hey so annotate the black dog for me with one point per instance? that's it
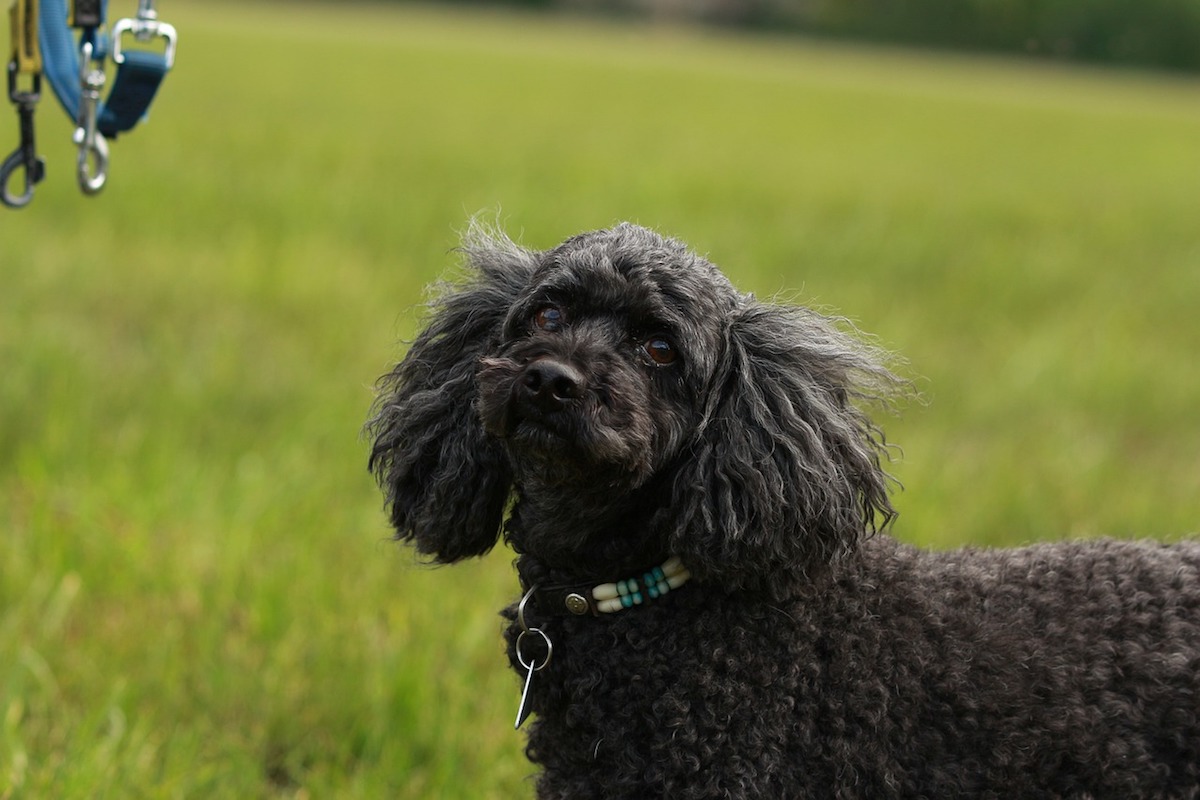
(694, 487)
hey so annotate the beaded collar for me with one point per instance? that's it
(607, 598)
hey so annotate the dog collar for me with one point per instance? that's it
(608, 598)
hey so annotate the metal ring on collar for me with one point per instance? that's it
(529, 665)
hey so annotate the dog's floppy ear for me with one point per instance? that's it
(445, 481)
(785, 475)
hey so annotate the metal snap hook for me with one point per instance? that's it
(92, 165)
(11, 165)
(25, 156)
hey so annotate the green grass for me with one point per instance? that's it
(197, 595)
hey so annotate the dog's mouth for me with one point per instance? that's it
(546, 432)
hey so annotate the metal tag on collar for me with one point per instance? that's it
(532, 664)
(144, 27)
(578, 604)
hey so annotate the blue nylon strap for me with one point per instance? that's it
(60, 55)
(137, 80)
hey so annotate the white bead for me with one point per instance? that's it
(605, 591)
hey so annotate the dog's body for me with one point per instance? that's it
(637, 407)
(1067, 670)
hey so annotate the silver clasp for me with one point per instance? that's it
(92, 165)
(144, 27)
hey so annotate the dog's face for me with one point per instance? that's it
(619, 365)
(604, 362)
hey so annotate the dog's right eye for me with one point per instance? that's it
(549, 318)
(660, 351)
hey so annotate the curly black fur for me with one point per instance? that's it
(624, 403)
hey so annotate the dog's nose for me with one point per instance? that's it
(550, 384)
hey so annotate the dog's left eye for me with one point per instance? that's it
(660, 350)
(549, 318)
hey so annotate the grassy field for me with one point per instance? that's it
(197, 594)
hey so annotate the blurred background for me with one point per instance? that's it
(1158, 33)
(198, 595)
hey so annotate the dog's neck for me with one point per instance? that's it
(589, 535)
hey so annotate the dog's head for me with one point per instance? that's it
(630, 396)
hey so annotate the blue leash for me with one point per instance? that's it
(139, 72)
(60, 53)
(75, 72)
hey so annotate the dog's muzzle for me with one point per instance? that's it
(559, 416)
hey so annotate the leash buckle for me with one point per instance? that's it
(144, 27)
(25, 156)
